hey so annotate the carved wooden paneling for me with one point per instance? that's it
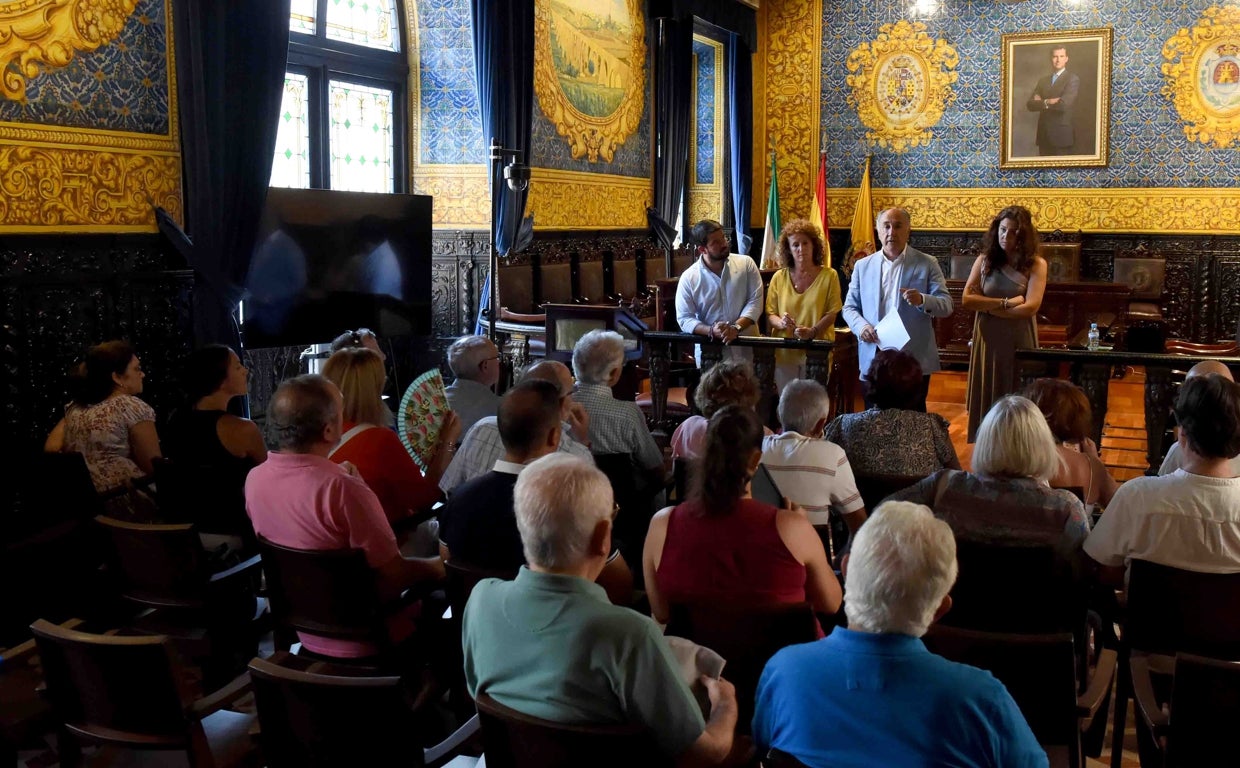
(1227, 312)
(1183, 295)
(61, 294)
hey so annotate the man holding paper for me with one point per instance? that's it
(892, 298)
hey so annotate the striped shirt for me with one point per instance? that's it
(812, 472)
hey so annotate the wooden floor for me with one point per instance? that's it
(1123, 436)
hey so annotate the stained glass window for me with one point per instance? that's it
(372, 23)
(291, 166)
(361, 137)
(302, 19)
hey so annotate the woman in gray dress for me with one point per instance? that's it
(1005, 290)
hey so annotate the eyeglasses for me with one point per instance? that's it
(484, 361)
(615, 510)
(355, 337)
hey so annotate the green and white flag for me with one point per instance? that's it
(770, 238)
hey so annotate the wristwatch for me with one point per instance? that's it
(737, 326)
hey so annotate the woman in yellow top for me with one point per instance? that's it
(803, 298)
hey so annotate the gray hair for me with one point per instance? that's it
(803, 403)
(466, 355)
(596, 354)
(559, 500)
(301, 408)
(908, 220)
(903, 564)
(1014, 440)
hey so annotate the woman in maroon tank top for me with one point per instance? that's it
(722, 545)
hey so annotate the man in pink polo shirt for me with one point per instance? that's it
(299, 498)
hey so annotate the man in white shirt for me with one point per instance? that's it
(903, 280)
(1174, 459)
(1189, 519)
(720, 295)
(809, 469)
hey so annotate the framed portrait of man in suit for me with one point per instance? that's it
(1056, 99)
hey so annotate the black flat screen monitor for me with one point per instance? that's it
(326, 262)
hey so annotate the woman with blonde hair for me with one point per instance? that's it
(370, 445)
(803, 297)
(1007, 498)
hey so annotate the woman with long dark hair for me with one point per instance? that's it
(203, 433)
(1005, 289)
(724, 546)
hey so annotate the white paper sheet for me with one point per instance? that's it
(891, 332)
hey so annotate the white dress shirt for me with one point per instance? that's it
(707, 298)
(892, 271)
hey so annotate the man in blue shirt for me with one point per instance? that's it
(872, 694)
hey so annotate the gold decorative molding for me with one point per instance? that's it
(590, 135)
(705, 203)
(790, 96)
(901, 84)
(577, 200)
(460, 192)
(1153, 211)
(1203, 77)
(80, 179)
(49, 33)
(85, 190)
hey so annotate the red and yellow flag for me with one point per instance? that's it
(818, 206)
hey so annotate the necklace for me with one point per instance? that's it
(801, 282)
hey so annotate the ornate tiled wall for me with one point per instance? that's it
(90, 142)
(704, 99)
(449, 130)
(1151, 161)
(707, 149)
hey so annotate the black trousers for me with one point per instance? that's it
(919, 400)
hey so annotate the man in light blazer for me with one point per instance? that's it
(897, 279)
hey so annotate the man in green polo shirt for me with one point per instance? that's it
(550, 644)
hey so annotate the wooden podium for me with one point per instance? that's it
(566, 323)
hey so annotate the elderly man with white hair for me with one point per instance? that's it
(483, 446)
(550, 645)
(873, 694)
(616, 426)
(474, 361)
(809, 469)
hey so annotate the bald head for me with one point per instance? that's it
(1208, 368)
(304, 415)
(554, 372)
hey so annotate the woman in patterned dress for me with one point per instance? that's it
(107, 423)
(1005, 289)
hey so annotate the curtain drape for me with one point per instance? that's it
(231, 56)
(740, 135)
(504, 71)
(673, 114)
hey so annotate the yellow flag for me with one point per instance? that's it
(864, 241)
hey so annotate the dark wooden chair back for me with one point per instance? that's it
(745, 636)
(776, 758)
(330, 718)
(324, 592)
(1021, 589)
(1038, 670)
(636, 502)
(119, 690)
(210, 497)
(1205, 706)
(158, 565)
(462, 578)
(1172, 610)
(511, 739)
(49, 544)
(876, 487)
(682, 469)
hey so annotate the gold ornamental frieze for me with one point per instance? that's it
(1166, 210)
(1202, 69)
(901, 83)
(49, 33)
(590, 72)
(578, 200)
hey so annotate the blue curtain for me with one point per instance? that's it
(740, 134)
(504, 72)
(231, 56)
(673, 115)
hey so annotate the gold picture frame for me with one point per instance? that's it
(593, 96)
(1055, 112)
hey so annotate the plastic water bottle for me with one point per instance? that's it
(1093, 337)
